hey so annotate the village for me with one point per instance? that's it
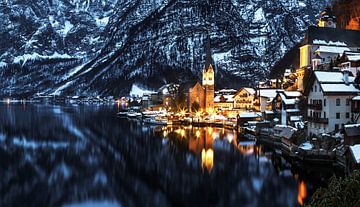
(311, 113)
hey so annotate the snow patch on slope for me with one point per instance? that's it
(37, 56)
(259, 15)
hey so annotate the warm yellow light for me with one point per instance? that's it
(182, 113)
(198, 114)
(182, 132)
(164, 133)
(197, 133)
(211, 110)
(301, 193)
(207, 159)
(210, 130)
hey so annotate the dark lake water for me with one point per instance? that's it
(85, 155)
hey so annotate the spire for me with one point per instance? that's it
(208, 53)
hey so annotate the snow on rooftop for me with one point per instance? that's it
(268, 93)
(295, 118)
(323, 42)
(306, 146)
(292, 93)
(339, 88)
(137, 91)
(332, 49)
(353, 57)
(355, 150)
(352, 125)
(250, 90)
(356, 98)
(229, 98)
(249, 115)
(331, 77)
(227, 91)
(287, 101)
(292, 110)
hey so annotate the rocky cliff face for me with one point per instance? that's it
(103, 47)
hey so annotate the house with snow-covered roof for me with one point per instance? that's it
(329, 101)
(244, 99)
(286, 107)
(264, 99)
(224, 102)
(323, 44)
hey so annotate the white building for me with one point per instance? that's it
(329, 101)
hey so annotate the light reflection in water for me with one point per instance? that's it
(201, 141)
(302, 193)
(207, 159)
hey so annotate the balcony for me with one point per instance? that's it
(318, 120)
(317, 106)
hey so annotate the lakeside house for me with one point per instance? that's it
(286, 106)
(224, 100)
(329, 101)
(244, 99)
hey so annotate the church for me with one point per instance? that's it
(202, 95)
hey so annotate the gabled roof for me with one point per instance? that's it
(331, 77)
(248, 90)
(224, 99)
(268, 93)
(333, 82)
(355, 151)
(348, 38)
(197, 85)
(339, 87)
(292, 94)
(352, 130)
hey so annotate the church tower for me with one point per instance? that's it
(327, 19)
(209, 80)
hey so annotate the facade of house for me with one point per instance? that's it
(264, 99)
(224, 102)
(329, 101)
(244, 99)
(286, 106)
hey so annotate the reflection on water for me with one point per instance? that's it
(302, 192)
(57, 155)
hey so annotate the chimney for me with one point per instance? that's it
(346, 76)
(346, 70)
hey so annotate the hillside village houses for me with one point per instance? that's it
(322, 92)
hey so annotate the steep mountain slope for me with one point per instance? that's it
(148, 42)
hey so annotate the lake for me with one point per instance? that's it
(72, 155)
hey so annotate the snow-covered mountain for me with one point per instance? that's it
(105, 46)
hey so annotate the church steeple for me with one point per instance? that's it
(208, 62)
